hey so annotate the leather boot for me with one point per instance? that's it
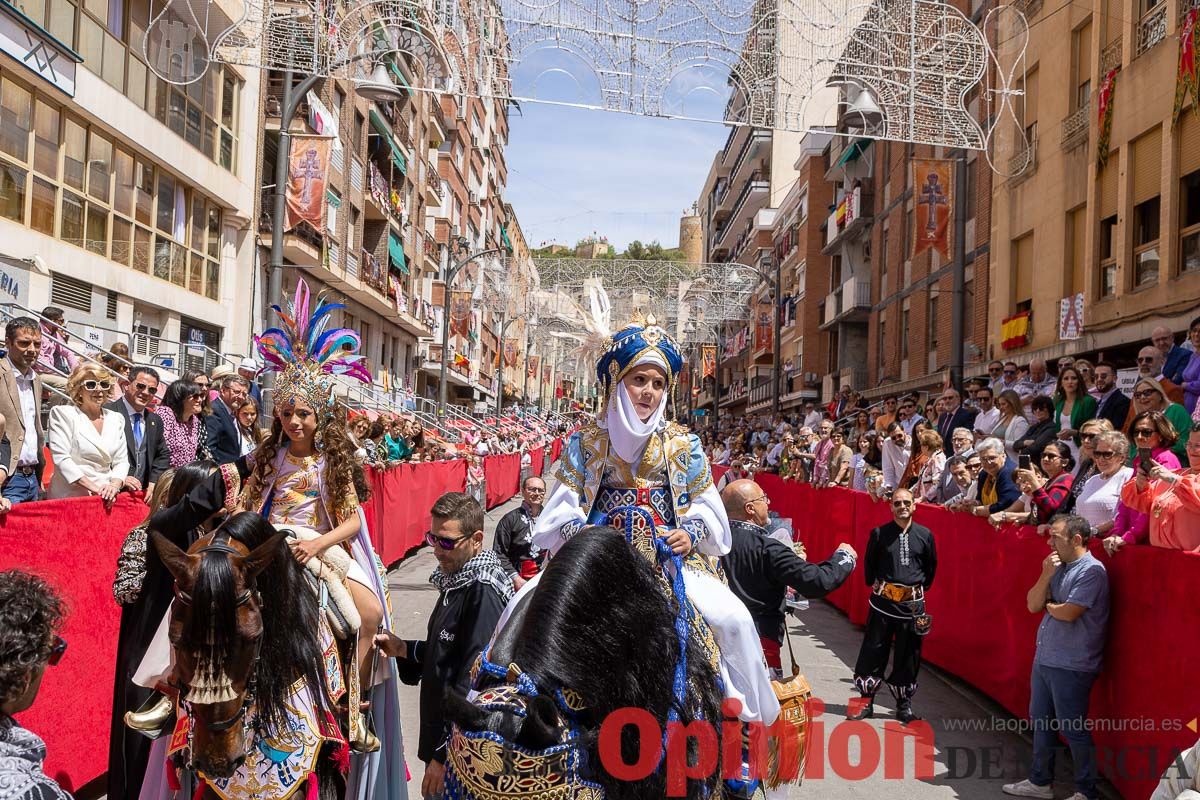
(905, 713)
(865, 711)
(152, 716)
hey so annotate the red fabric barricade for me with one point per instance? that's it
(983, 633)
(401, 496)
(502, 475)
(555, 450)
(73, 545)
(537, 461)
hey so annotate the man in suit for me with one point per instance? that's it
(953, 415)
(248, 369)
(149, 456)
(1111, 403)
(224, 438)
(21, 408)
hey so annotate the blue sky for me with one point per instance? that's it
(574, 171)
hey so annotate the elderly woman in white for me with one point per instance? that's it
(86, 440)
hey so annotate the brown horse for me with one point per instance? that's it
(243, 627)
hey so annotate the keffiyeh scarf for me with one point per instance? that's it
(484, 568)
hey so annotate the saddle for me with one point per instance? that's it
(328, 575)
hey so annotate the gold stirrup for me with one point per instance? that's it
(153, 718)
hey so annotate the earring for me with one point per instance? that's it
(319, 441)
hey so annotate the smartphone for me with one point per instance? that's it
(1023, 461)
(1145, 459)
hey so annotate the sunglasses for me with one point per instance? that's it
(1145, 394)
(1087, 436)
(535, 491)
(443, 542)
(1010, 372)
(93, 385)
(1140, 432)
(140, 387)
(196, 396)
(901, 503)
(1103, 453)
(57, 650)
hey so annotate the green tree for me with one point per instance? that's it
(636, 250)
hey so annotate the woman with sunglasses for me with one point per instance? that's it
(1151, 431)
(30, 616)
(183, 423)
(1085, 467)
(1149, 395)
(1172, 499)
(1097, 502)
(86, 440)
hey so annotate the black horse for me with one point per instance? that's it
(243, 603)
(598, 635)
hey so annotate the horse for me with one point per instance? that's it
(244, 629)
(598, 635)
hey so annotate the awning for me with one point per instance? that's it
(381, 126)
(396, 253)
(400, 77)
(853, 151)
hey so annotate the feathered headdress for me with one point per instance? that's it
(306, 356)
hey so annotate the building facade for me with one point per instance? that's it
(1122, 236)
(125, 200)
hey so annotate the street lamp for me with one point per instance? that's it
(463, 247)
(378, 88)
(773, 281)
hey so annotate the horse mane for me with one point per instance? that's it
(290, 647)
(210, 630)
(601, 624)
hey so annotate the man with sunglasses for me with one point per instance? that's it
(30, 616)
(513, 543)
(473, 591)
(899, 566)
(1111, 403)
(148, 453)
(760, 568)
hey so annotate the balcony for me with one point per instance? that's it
(1023, 164)
(851, 215)
(433, 183)
(849, 303)
(757, 186)
(763, 395)
(1151, 28)
(1110, 57)
(302, 245)
(1075, 127)
(750, 148)
(732, 395)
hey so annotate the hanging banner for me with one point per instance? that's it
(546, 377)
(933, 198)
(763, 326)
(510, 352)
(1187, 78)
(708, 361)
(533, 366)
(460, 314)
(1104, 110)
(1070, 317)
(308, 168)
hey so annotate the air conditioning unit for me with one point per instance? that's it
(473, 197)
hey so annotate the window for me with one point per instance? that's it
(1029, 108)
(881, 348)
(12, 192)
(1108, 256)
(972, 189)
(1145, 242)
(1022, 269)
(74, 154)
(46, 138)
(16, 118)
(1081, 65)
(1189, 223)
(1076, 231)
(933, 323)
(883, 258)
(904, 314)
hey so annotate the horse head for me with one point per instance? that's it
(216, 631)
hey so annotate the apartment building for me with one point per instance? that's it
(799, 240)
(1125, 234)
(125, 200)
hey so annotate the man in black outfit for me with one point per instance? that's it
(898, 566)
(514, 546)
(1111, 403)
(224, 438)
(474, 588)
(760, 569)
(148, 453)
(954, 415)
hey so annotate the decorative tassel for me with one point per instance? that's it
(312, 792)
(341, 757)
(172, 776)
(200, 790)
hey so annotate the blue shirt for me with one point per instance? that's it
(1077, 645)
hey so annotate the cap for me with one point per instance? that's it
(248, 363)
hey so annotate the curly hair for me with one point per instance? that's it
(30, 615)
(342, 470)
(86, 371)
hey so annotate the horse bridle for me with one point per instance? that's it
(223, 546)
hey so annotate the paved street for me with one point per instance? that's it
(826, 646)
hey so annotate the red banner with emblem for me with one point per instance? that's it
(708, 361)
(763, 326)
(308, 171)
(460, 314)
(933, 197)
(1187, 78)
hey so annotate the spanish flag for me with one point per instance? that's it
(1014, 331)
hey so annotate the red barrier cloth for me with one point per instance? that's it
(401, 496)
(717, 472)
(502, 475)
(73, 545)
(983, 633)
(555, 450)
(537, 461)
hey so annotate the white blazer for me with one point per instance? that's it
(79, 451)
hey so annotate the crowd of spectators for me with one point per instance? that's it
(111, 425)
(1017, 446)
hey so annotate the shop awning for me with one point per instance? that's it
(396, 253)
(400, 77)
(381, 127)
(853, 151)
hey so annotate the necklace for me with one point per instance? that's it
(1160, 504)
